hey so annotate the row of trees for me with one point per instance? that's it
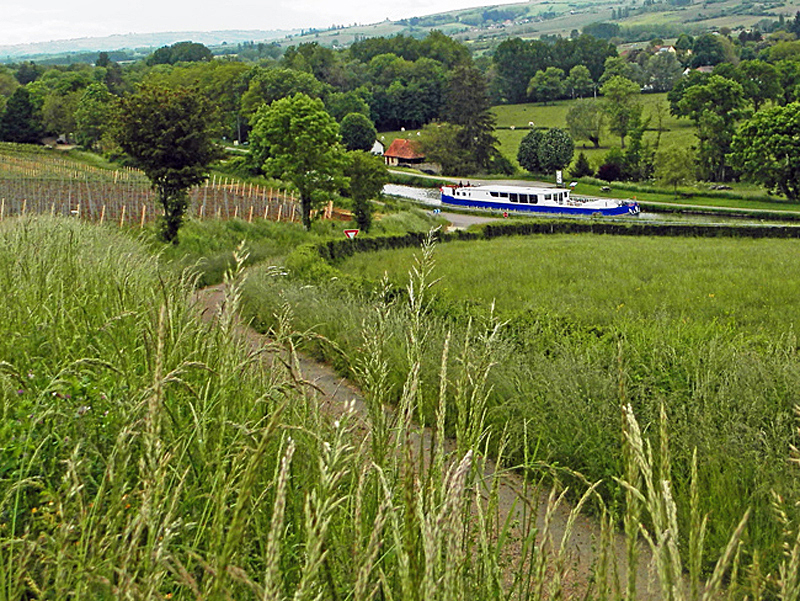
(169, 133)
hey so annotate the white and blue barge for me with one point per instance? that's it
(535, 200)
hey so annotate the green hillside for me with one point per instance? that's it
(484, 27)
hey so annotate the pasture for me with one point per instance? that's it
(674, 131)
(513, 122)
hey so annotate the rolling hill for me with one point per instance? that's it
(480, 28)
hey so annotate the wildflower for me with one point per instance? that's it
(84, 409)
(20, 391)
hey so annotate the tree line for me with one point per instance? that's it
(435, 84)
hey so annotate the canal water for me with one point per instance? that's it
(430, 197)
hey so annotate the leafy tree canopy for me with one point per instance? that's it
(19, 122)
(767, 149)
(585, 119)
(367, 174)
(528, 151)
(358, 132)
(169, 135)
(268, 85)
(301, 143)
(555, 150)
(180, 52)
(622, 105)
(547, 85)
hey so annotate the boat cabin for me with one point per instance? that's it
(519, 196)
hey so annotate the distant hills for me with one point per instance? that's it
(481, 28)
(134, 41)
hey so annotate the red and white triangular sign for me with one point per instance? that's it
(351, 233)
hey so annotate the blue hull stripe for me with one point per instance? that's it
(529, 208)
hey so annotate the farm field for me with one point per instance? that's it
(38, 181)
(704, 328)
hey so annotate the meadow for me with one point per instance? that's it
(674, 131)
(702, 330)
(147, 453)
(151, 454)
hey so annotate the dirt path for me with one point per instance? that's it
(333, 392)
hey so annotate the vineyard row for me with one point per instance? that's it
(128, 201)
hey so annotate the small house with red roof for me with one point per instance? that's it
(403, 152)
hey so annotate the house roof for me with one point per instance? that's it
(404, 149)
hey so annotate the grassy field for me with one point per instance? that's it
(146, 454)
(753, 285)
(701, 328)
(674, 132)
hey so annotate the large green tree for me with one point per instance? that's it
(714, 106)
(19, 122)
(547, 86)
(300, 142)
(358, 132)
(467, 105)
(516, 62)
(169, 134)
(622, 105)
(555, 150)
(579, 82)
(767, 149)
(94, 115)
(528, 151)
(760, 82)
(268, 85)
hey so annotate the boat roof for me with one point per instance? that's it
(515, 189)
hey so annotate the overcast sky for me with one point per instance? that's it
(44, 20)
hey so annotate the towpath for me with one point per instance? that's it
(333, 393)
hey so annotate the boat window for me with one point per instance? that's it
(494, 194)
(548, 197)
(534, 199)
(513, 197)
(566, 195)
(523, 198)
(560, 197)
(503, 194)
